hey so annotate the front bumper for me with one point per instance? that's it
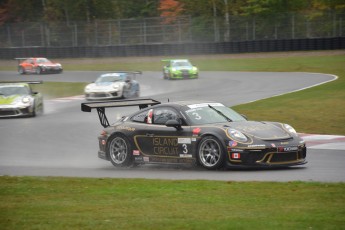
(11, 111)
(184, 74)
(267, 157)
(102, 95)
(51, 69)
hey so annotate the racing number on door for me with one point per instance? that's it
(185, 147)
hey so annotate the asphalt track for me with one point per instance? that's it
(63, 141)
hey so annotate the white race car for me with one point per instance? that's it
(113, 86)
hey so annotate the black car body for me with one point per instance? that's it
(206, 133)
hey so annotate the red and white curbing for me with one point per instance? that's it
(316, 141)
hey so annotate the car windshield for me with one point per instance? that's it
(110, 78)
(13, 90)
(180, 63)
(208, 113)
(42, 60)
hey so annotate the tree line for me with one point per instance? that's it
(13, 11)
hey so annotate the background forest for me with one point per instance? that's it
(90, 10)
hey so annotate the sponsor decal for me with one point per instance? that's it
(104, 142)
(126, 128)
(232, 143)
(236, 150)
(165, 146)
(235, 155)
(136, 152)
(146, 159)
(256, 146)
(193, 139)
(287, 149)
(273, 145)
(138, 159)
(184, 140)
(186, 155)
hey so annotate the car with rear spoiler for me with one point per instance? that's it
(38, 65)
(205, 133)
(17, 99)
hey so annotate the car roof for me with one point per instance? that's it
(186, 103)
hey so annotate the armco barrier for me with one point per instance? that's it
(176, 49)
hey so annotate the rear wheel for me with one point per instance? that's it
(119, 150)
(211, 153)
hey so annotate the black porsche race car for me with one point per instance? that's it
(202, 132)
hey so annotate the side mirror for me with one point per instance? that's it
(174, 123)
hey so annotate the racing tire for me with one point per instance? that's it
(119, 151)
(21, 70)
(38, 70)
(211, 154)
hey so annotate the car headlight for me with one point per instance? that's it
(237, 135)
(289, 129)
(26, 100)
(194, 69)
(173, 69)
(116, 87)
(87, 88)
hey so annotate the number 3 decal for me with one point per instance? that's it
(185, 149)
(197, 116)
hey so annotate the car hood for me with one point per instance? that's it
(261, 130)
(183, 67)
(49, 64)
(8, 100)
(104, 84)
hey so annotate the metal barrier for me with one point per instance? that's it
(176, 49)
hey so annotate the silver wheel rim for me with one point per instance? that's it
(209, 153)
(118, 150)
(38, 70)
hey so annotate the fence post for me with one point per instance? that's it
(9, 35)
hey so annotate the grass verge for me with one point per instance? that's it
(74, 203)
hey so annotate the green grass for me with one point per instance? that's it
(75, 203)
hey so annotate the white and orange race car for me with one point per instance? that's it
(38, 65)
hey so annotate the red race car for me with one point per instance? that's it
(38, 65)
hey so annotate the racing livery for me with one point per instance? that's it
(179, 69)
(115, 85)
(203, 132)
(17, 99)
(38, 65)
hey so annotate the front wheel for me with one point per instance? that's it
(211, 153)
(21, 70)
(38, 70)
(119, 150)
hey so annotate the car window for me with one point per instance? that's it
(200, 114)
(162, 115)
(140, 117)
(13, 90)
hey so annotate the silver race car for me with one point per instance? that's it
(114, 85)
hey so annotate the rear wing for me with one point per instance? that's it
(21, 59)
(100, 106)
